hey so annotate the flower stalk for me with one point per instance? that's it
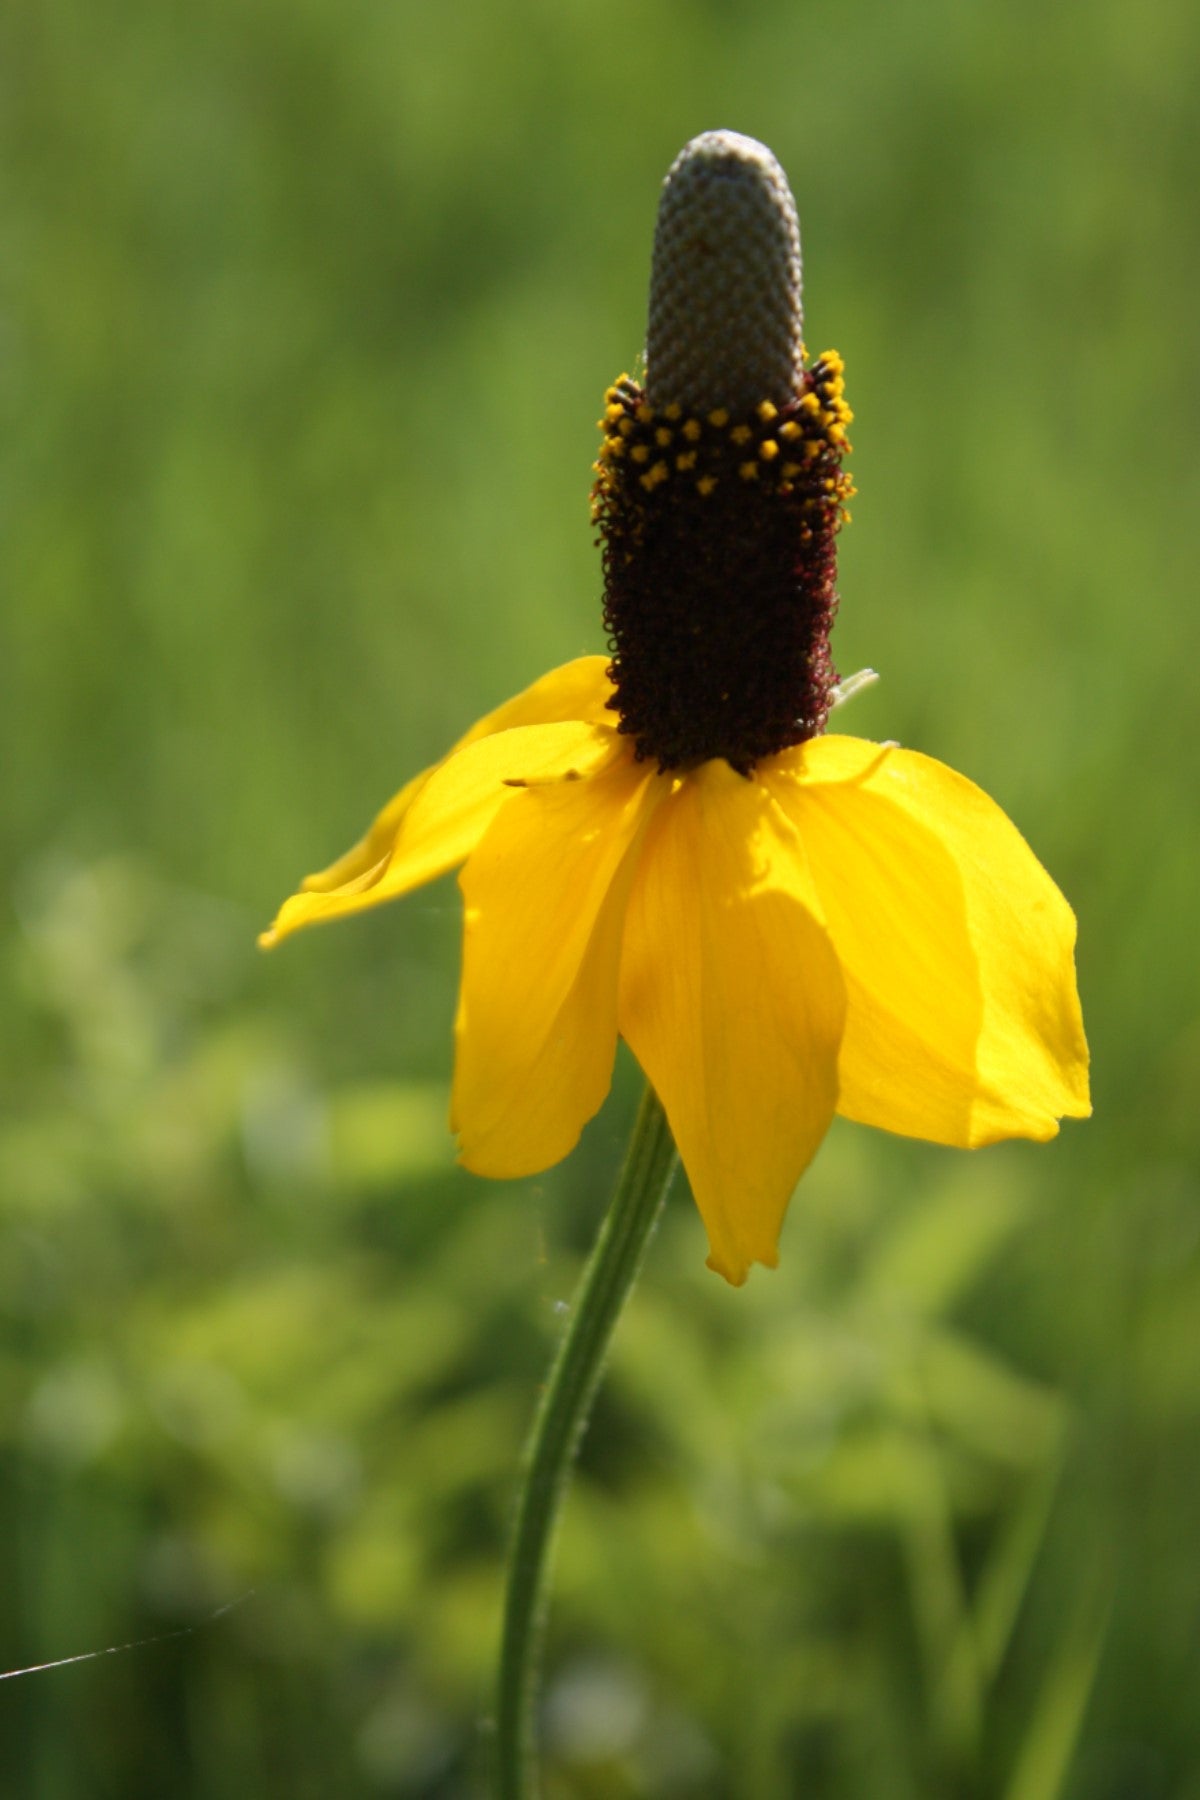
(609, 1278)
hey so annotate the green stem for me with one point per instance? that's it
(607, 1282)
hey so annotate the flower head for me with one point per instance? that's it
(665, 846)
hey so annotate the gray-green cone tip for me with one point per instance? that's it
(725, 322)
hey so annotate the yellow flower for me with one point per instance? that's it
(782, 925)
(852, 928)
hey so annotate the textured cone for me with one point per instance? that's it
(725, 314)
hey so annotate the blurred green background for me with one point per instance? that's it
(306, 314)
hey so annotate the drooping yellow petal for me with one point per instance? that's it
(576, 690)
(545, 897)
(963, 1024)
(452, 811)
(732, 1001)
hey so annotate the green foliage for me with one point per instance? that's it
(307, 312)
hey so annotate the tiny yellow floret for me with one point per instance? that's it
(768, 449)
(644, 414)
(706, 484)
(686, 460)
(653, 477)
(692, 430)
(640, 453)
(790, 430)
(673, 412)
(767, 410)
(662, 437)
(718, 417)
(748, 471)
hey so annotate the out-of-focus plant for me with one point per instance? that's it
(237, 1360)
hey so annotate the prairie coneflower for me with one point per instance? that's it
(664, 845)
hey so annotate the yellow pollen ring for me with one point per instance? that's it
(798, 454)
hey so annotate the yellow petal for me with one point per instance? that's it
(963, 1023)
(452, 811)
(732, 1001)
(545, 900)
(576, 690)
